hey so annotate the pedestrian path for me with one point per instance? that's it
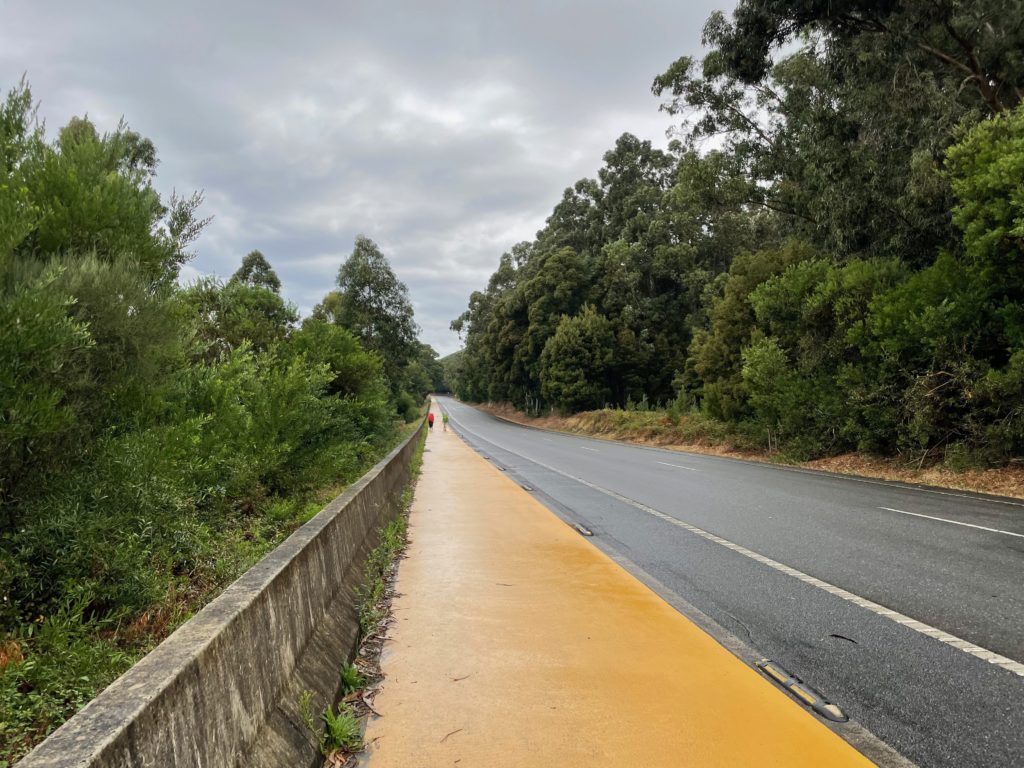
(516, 642)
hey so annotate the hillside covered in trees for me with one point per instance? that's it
(156, 440)
(828, 257)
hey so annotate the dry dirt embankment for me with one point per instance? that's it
(700, 436)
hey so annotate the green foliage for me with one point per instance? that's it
(35, 413)
(351, 679)
(373, 304)
(842, 271)
(155, 441)
(340, 729)
(371, 607)
(61, 662)
(343, 730)
(576, 362)
(257, 272)
(986, 170)
(232, 314)
(356, 371)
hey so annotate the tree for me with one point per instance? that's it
(374, 304)
(975, 43)
(93, 195)
(576, 362)
(257, 272)
(845, 137)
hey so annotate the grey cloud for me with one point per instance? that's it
(445, 131)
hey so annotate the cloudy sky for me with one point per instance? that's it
(444, 131)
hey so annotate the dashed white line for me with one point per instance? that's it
(678, 466)
(953, 641)
(592, 450)
(955, 522)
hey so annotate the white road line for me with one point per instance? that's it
(678, 466)
(918, 626)
(955, 522)
(592, 450)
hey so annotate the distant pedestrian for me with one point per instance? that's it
(430, 420)
(444, 420)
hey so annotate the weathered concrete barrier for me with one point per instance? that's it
(224, 689)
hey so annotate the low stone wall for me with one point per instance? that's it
(224, 689)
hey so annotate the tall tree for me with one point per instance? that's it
(374, 304)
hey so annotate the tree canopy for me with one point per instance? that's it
(374, 305)
(827, 257)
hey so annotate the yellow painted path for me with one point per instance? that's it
(516, 642)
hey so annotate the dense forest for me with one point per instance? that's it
(156, 440)
(828, 256)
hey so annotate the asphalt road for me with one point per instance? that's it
(904, 605)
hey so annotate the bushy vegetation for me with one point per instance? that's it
(839, 269)
(155, 440)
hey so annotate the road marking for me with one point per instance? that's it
(592, 450)
(918, 626)
(678, 466)
(954, 522)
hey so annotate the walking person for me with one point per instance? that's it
(430, 420)
(444, 420)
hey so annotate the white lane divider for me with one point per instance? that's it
(955, 522)
(918, 626)
(678, 466)
(592, 450)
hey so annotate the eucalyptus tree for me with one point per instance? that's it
(374, 305)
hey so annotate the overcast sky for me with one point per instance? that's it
(445, 132)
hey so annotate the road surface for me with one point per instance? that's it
(903, 605)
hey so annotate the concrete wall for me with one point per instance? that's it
(223, 690)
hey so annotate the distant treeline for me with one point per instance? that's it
(828, 257)
(155, 440)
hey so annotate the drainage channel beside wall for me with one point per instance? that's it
(224, 689)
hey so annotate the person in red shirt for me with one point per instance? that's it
(430, 420)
